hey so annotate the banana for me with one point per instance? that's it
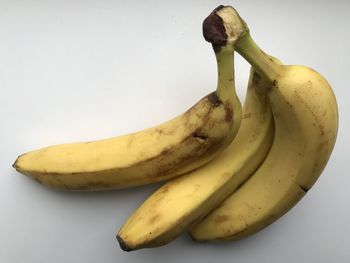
(306, 120)
(186, 199)
(159, 153)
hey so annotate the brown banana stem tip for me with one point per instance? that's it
(214, 30)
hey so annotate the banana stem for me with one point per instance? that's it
(225, 28)
(261, 62)
(226, 75)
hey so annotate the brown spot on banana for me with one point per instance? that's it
(221, 218)
(163, 132)
(200, 136)
(154, 219)
(214, 99)
(229, 112)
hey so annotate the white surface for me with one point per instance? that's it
(83, 70)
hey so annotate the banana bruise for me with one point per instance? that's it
(185, 200)
(159, 153)
(306, 120)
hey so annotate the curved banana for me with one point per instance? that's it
(306, 120)
(159, 153)
(184, 200)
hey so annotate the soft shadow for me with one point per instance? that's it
(184, 248)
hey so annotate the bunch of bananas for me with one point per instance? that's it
(240, 169)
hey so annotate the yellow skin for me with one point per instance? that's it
(184, 200)
(306, 119)
(159, 153)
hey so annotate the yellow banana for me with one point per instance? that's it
(306, 119)
(159, 153)
(184, 200)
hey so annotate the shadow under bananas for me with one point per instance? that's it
(183, 249)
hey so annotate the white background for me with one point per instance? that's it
(85, 70)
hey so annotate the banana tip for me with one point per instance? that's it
(15, 164)
(123, 245)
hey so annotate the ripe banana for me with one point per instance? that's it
(306, 120)
(186, 199)
(159, 153)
